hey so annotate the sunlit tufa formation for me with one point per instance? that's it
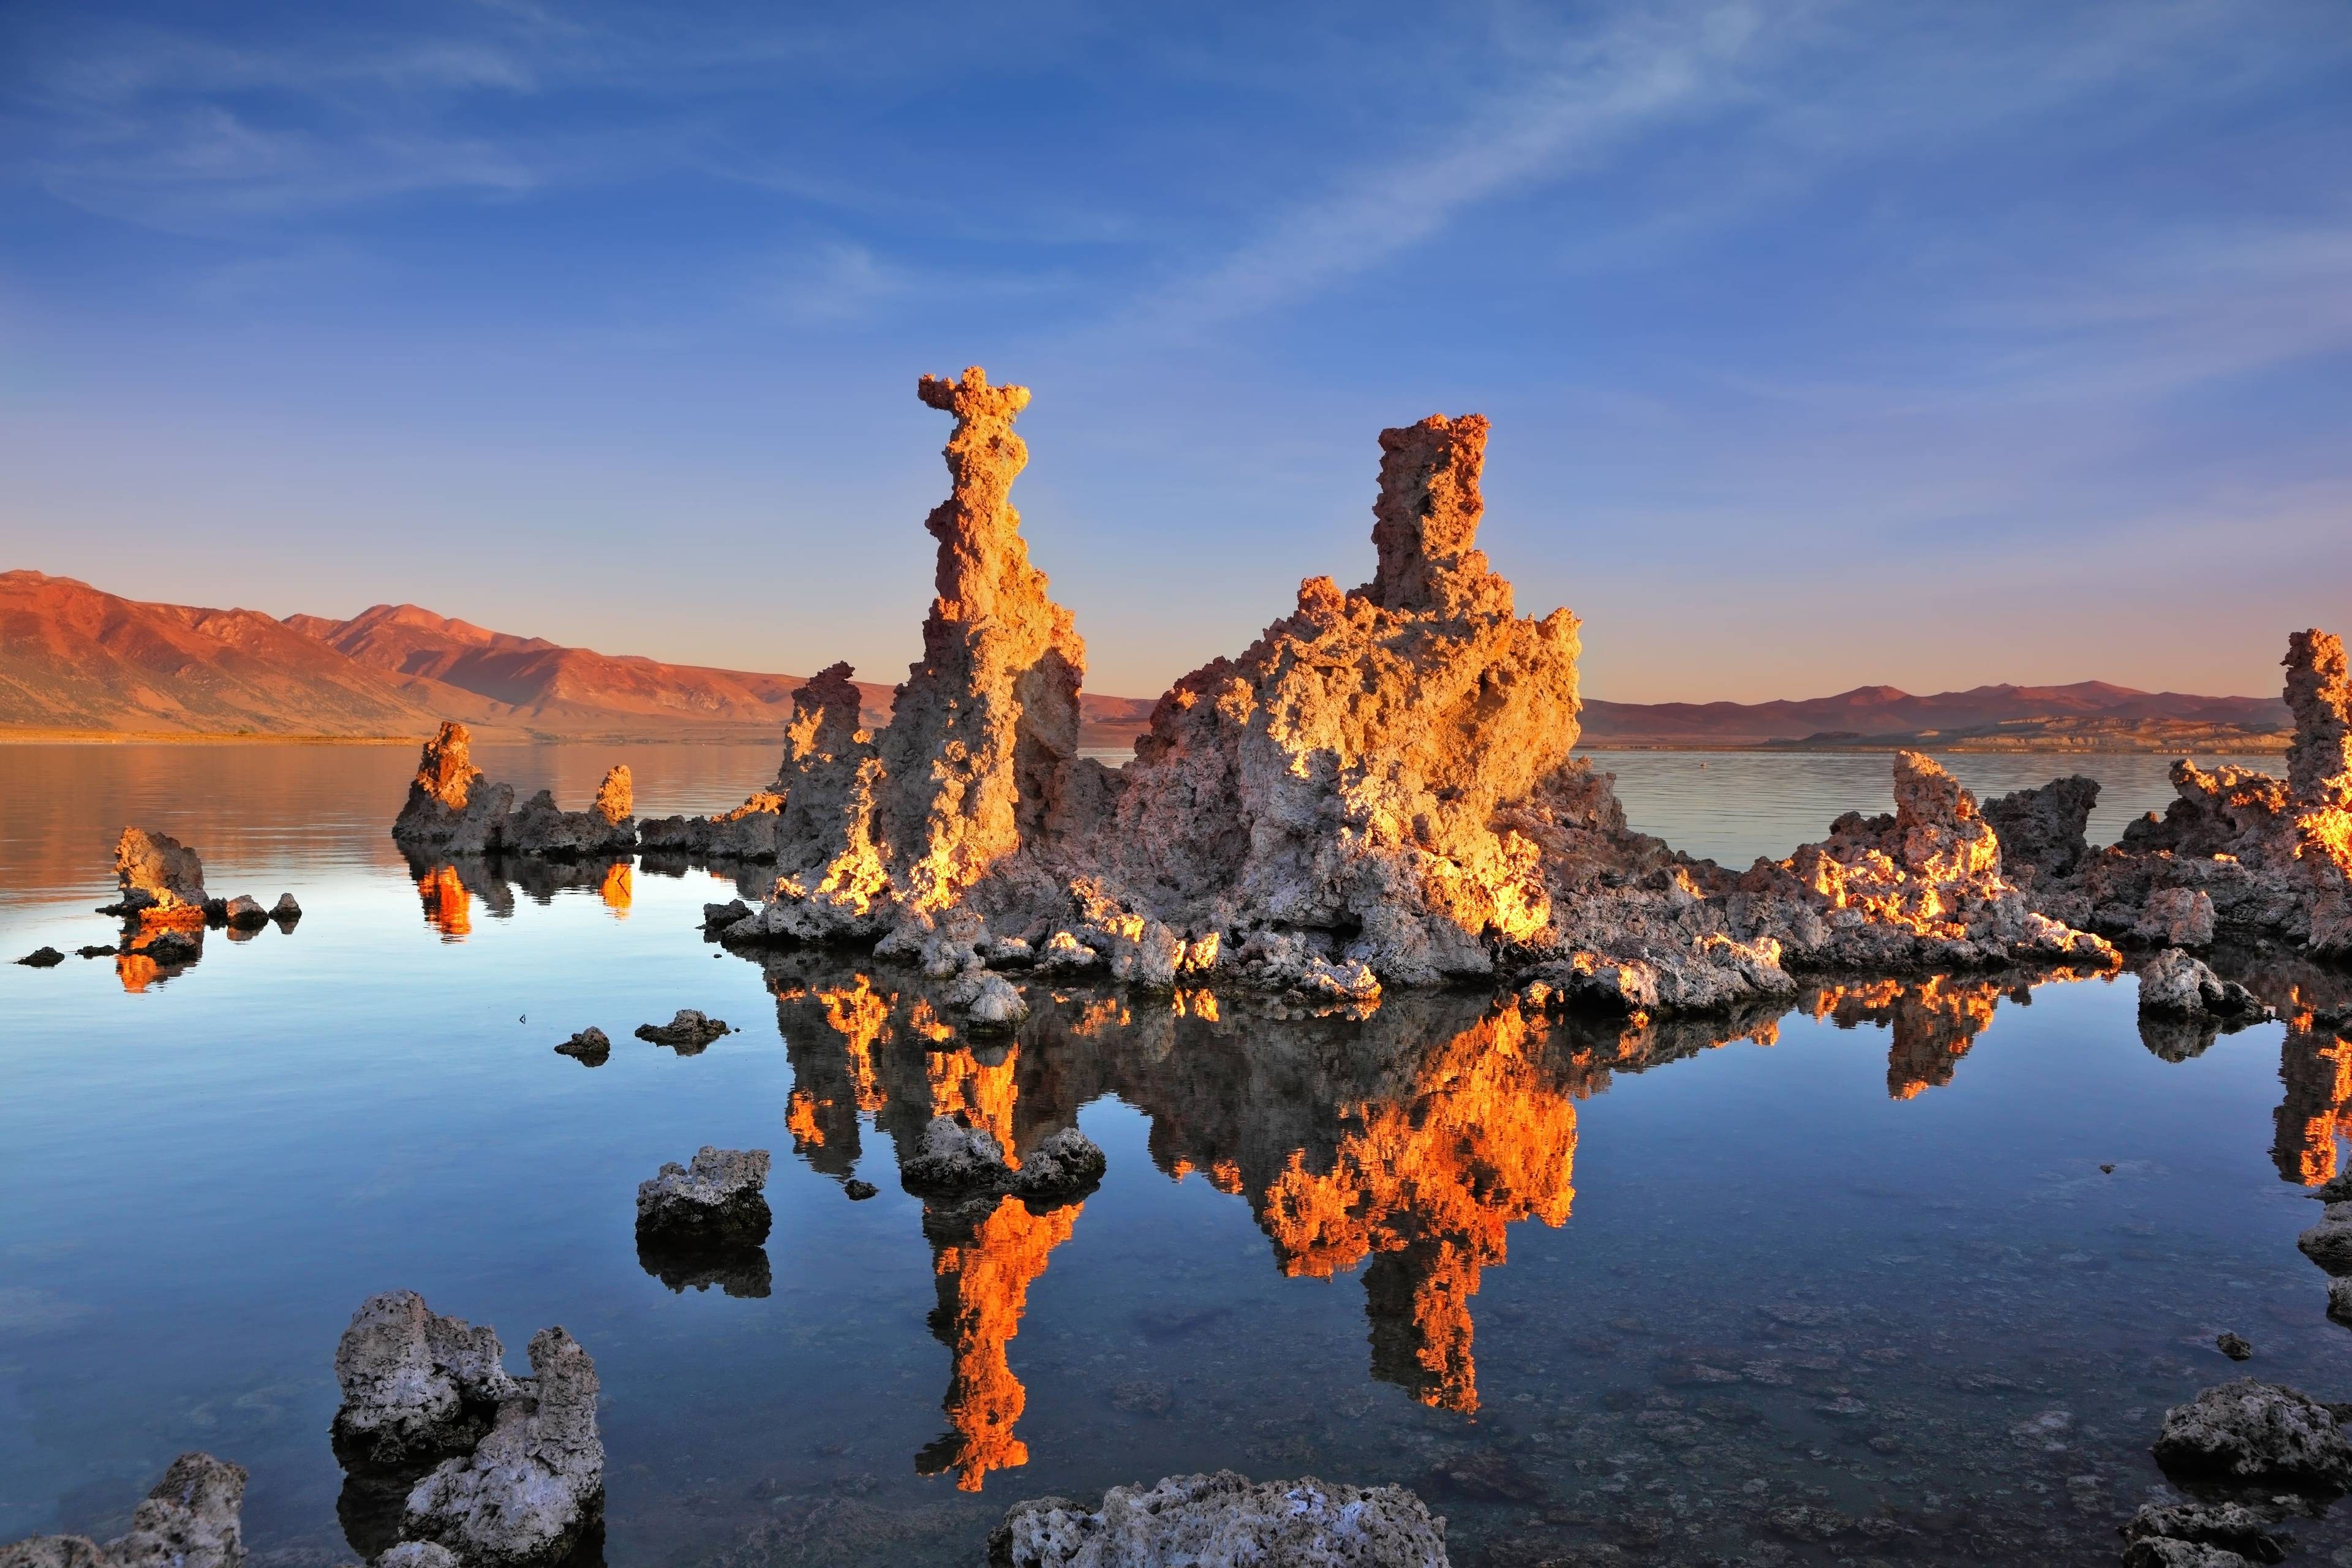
(453, 810)
(2242, 854)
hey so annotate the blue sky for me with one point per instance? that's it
(1825, 342)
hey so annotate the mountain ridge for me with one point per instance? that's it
(77, 659)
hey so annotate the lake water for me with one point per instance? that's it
(1851, 1282)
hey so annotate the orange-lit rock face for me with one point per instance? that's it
(1431, 1184)
(983, 1288)
(448, 907)
(1346, 772)
(2317, 1068)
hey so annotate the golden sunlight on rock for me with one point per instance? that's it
(983, 1288)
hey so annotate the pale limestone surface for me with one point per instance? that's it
(190, 1520)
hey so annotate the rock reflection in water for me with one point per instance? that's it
(447, 889)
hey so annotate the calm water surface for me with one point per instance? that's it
(1843, 1283)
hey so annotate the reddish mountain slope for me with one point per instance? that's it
(1881, 711)
(73, 657)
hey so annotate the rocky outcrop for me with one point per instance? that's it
(159, 878)
(590, 1048)
(415, 1384)
(717, 1198)
(453, 810)
(2174, 984)
(2042, 830)
(190, 1520)
(535, 1484)
(1224, 1521)
(2255, 1432)
(1378, 792)
(2240, 855)
(955, 1158)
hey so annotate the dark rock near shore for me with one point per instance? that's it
(2255, 1432)
(190, 1520)
(2234, 1346)
(44, 958)
(2233, 1532)
(717, 1198)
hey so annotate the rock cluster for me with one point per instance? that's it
(453, 810)
(2241, 854)
(159, 882)
(1378, 791)
(190, 1520)
(495, 1469)
(1224, 1521)
(958, 1159)
(2199, 1535)
(2175, 984)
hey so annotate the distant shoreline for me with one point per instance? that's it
(2262, 747)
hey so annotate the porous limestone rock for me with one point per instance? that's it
(451, 807)
(190, 1520)
(2164, 1552)
(989, 1003)
(824, 751)
(2272, 857)
(2329, 1242)
(1062, 1165)
(535, 1483)
(689, 1031)
(2176, 917)
(158, 876)
(418, 1554)
(2255, 1432)
(415, 1384)
(2230, 1529)
(718, 1197)
(1224, 1521)
(2042, 830)
(453, 810)
(955, 1157)
(2177, 983)
(590, 1047)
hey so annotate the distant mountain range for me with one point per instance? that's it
(77, 661)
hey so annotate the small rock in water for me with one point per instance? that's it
(953, 1156)
(590, 1048)
(95, 950)
(687, 1033)
(1224, 1520)
(45, 958)
(245, 912)
(2234, 1346)
(2106, 1170)
(718, 1197)
(285, 911)
(1067, 1165)
(2176, 985)
(859, 1191)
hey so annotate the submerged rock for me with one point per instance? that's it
(2231, 1532)
(2255, 1432)
(190, 1520)
(415, 1384)
(718, 1197)
(590, 1048)
(1224, 1521)
(688, 1031)
(535, 1484)
(158, 878)
(2177, 985)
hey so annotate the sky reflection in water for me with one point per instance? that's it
(1658, 1287)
